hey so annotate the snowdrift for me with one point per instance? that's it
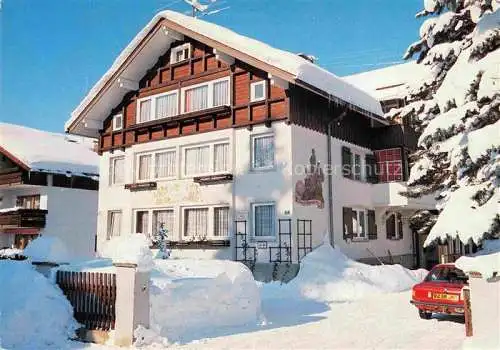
(486, 261)
(196, 295)
(34, 314)
(327, 275)
(47, 249)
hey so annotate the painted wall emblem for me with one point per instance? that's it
(310, 190)
(173, 193)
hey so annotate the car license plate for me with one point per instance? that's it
(441, 296)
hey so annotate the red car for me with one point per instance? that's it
(440, 292)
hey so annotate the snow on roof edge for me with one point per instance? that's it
(372, 108)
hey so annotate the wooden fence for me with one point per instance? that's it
(93, 297)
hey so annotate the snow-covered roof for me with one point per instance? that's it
(49, 152)
(151, 42)
(389, 82)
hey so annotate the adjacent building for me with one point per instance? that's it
(48, 186)
(244, 151)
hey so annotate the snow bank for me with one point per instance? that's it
(10, 253)
(328, 275)
(190, 296)
(47, 249)
(34, 314)
(77, 158)
(133, 249)
(486, 261)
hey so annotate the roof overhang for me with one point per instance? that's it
(14, 159)
(141, 54)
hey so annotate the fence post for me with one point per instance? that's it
(467, 312)
(132, 302)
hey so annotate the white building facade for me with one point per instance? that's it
(228, 150)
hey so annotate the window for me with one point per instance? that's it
(197, 160)
(114, 223)
(166, 105)
(221, 222)
(116, 170)
(118, 122)
(142, 222)
(389, 165)
(258, 91)
(221, 157)
(357, 167)
(144, 166)
(180, 53)
(28, 202)
(263, 152)
(163, 218)
(144, 111)
(157, 107)
(359, 223)
(221, 96)
(207, 95)
(394, 226)
(165, 164)
(196, 222)
(263, 220)
(196, 99)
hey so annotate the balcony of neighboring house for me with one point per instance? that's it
(13, 218)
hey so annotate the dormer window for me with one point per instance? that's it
(117, 122)
(180, 53)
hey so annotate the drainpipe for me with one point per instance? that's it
(330, 175)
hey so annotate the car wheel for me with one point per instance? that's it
(425, 315)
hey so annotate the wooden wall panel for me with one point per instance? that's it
(202, 67)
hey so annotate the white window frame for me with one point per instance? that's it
(108, 223)
(171, 235)
(210, 235)
(111, 178)
(211, 159)
(153, 99)
(153, 165)
(253, 98)
(175, 50)
(252, 152)
(210, 93)
(357, 235)
(397, 235)
(264, 238)
(117, 117)
(362, 165)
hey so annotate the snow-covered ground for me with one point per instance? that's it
(334, 302)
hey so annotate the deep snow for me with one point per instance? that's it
(34, 314)
(47, 249)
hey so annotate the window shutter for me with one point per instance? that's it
(372, 226)
(400, 225)
(347, 222)
(346, 162)
(371, 168)
(390, 226)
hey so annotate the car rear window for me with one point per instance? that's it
(446, 274)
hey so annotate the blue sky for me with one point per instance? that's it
(53, 51)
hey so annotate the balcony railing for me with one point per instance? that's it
(29, 218)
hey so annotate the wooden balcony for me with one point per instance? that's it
(14, 178)
(28, 218)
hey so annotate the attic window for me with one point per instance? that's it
(258, 91)
(118, 122)
(180, 53)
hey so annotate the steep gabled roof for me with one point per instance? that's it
(153, 40)
(44, 151)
